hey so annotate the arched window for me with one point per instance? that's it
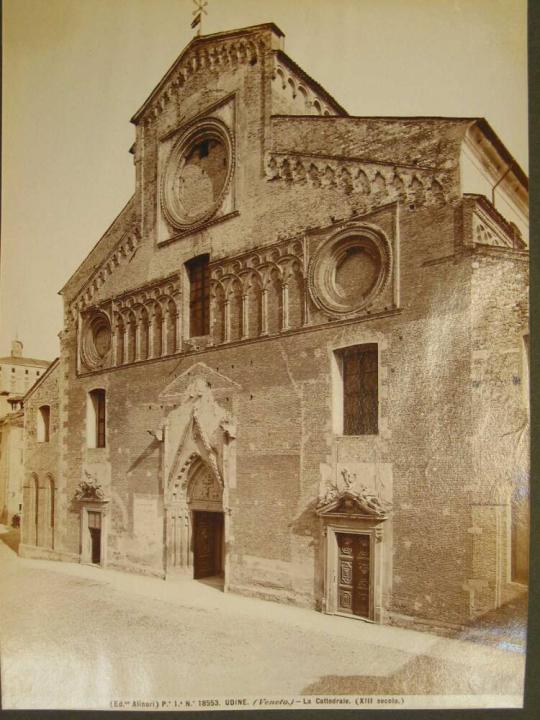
(43, 423)
(95, 419)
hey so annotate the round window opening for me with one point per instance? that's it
(350, 270)
(97, 341)
(197, 174)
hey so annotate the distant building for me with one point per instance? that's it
(297, 359)
(11, 463)
(18, 374)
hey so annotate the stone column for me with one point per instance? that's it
(164, 331)
(178, 338)
(151, 331)
(264, 311)
(138, 338)
(245, 317)
(284, 306)
(226, 321)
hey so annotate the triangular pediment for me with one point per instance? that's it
(198, 374)
(209, 52)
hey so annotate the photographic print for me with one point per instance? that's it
(264, 385)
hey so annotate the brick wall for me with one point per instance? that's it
(434, 333)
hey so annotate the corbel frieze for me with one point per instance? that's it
(299, 89)
(219, 55)
(120, 255)
(376, 182)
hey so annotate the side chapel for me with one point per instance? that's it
(298, 358)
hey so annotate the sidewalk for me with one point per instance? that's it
(77, 636)
(183, 592)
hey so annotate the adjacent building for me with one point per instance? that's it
(297, 359)
(17, 374)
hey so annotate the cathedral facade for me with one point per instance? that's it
(297, 359)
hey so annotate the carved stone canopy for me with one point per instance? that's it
(351, 503)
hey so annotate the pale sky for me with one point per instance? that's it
(76, 70)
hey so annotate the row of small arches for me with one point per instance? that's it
(121, 254)
(228, 54)
(246, 307)
(400, 184)
(141, 332)
(304, 98)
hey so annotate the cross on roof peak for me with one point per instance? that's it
(200, 10)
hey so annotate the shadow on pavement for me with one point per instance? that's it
(11, 538)
(423, 675)
(505, 627)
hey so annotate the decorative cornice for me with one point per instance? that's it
(375, 181)
(119, 255)
(283, 257)
(491, 228)
(214, 54)
(299, 83)
(196, 53)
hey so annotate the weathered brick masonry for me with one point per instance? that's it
(321, 232)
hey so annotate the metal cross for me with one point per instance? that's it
(200, 10)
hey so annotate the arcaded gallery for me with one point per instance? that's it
(297, 360)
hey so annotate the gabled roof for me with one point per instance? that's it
(94, 258)
(40, 380)
(197, 41)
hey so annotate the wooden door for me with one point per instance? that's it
(94, 527)
(354, 574)
(207, 544)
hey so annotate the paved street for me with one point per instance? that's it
(75, 636)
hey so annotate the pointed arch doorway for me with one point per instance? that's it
(196, 524)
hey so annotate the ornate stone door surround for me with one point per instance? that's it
(353, 514)
(199, 467)
(91, 499)
(101, 508)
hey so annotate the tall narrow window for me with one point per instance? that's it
(199, 296)
(52, 502)
(96, 418)
(43, 423)
(36, 509)
(360, 388)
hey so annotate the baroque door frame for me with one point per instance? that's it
(101, 507)
(354, 513)
(375, 534)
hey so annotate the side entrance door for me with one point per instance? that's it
(354, 560)
(207, 544)
(94, 528)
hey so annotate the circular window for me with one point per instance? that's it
(350, 270)
(97, 341)
(197, 174)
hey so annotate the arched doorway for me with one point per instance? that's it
(196, 527)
